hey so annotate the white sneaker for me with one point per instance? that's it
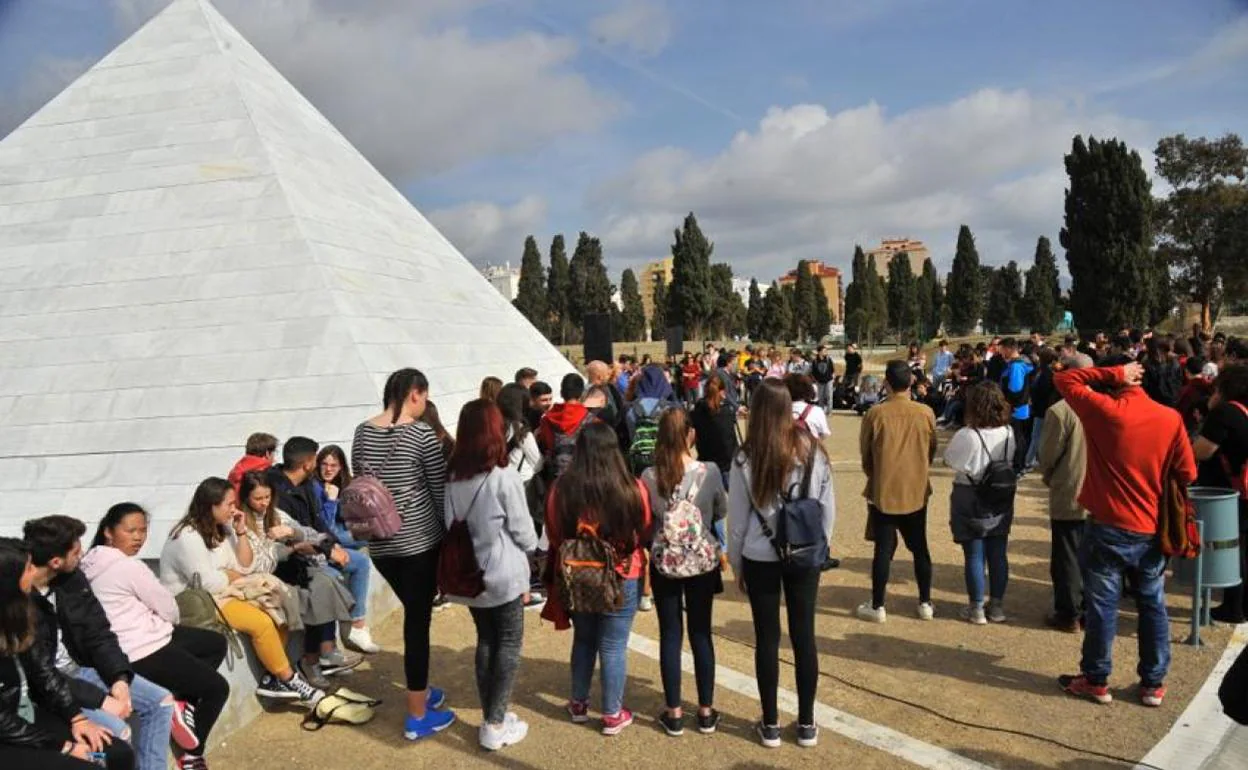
(873, 614)
(361, 640)
(974, 614)
(646, 604)
(926, 611)
(509, 733)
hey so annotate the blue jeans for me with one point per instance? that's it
(357, 573)
(153, 717)
(1104, 556)
(603, 635)
(976, 552)
(1033, 448)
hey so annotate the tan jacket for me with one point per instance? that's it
(1062, 461)
(898, 442)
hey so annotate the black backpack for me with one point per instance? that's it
(996, 487)
(799, 538)
(564, 444)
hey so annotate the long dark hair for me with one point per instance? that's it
(344, 469)
(399, 385)
(17, 613)
(433, 420)
(112, 518)
(598, 488)
(512, 400)
(670, 448)
(209, 494)
(258, 521)
(773, 442)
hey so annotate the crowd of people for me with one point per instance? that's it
(634, 490)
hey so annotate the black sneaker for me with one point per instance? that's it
(708, 723)
(808, 736)
(272, 687)
(440, 602)
(673, 726)
(769, 735)
(830, 563)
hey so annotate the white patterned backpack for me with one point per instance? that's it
(682, 547)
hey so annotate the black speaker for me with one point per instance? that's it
(675, 340)
(598, 345)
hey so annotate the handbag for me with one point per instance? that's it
(342, 706)
(198, 608)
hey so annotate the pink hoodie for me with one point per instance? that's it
(140, 610)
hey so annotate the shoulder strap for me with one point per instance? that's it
(696, 486)
(472, 502)
(806, 412)
(389, 452)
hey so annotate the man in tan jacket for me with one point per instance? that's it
(898, 442)
(1062, 460)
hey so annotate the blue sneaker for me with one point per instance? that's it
(434, 722)
(435, 698)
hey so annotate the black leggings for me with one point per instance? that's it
(913, 529)
(764, 581)
(414, 579)
(187, 667)
(693, 598)
(117, 755)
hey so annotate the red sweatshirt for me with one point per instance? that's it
(245, 465)
(1133, 443)
(564, 418)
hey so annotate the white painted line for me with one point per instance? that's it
(867, 733)
(1202, 728)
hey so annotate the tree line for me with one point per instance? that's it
(1131, 257)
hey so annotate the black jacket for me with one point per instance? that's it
(822, 369)
(86, 633)
(49, 689)
(300, 502)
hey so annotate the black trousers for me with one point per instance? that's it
(1022, 440)
(187, 667)
(913, 530)
(1064, 568)
(414, 579)
(117, 755)
(764, 582)
(689, 600)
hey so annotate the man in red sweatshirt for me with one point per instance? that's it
(557, 432)
(1134, 445)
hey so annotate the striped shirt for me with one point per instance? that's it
(415, 475)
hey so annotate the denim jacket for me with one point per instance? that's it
(332, 521)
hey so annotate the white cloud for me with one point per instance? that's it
(645, 28)
(488, 232)
(809, 183)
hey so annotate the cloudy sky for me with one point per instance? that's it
(793, 128)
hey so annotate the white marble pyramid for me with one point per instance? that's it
(189, 253)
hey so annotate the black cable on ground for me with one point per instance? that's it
(955, 720)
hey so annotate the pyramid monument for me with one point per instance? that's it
(190, 253)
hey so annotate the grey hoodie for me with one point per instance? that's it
(502, 532)
(745, 536)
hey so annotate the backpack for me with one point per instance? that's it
(996, 487)
(1176, 521)
(1239, 481)
(588, 581)
(197, 608)
(367, 506)
(459, 572)
(563, 448)
(681, 548)
(645, 437)
(799, 538)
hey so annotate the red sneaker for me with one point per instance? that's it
(614, 724)
(182, 729)
(1080, 687)
(1152, 695)
(579, 711)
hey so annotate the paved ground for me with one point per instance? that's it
(974, 691)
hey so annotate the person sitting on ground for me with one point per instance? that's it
(981, 511)
(485, 494)
(898, 442)
(72, 622)
(1061, 460)
(685, 579)
(332, 475)
(276, 544)
(181, 659)
(41, 724)
(1136, 448)
(202, 552)
(259, 454)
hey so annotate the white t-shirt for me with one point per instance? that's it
(815, 419)
(62, 661)
(965, 453)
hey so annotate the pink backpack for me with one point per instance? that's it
(366, 505)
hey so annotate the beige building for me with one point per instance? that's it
(890, 246)
(647, 278)
(829, 276)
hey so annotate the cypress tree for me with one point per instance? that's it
(788, 294)
(1043, 294)
(902, 297)
(531, 293)
(964, 292)
(931, 300)
(1004, 300)
(754, 316)
(690, 298)
(1108, 235)
(658, 320)
(821, 313)
(803, 301)
(598, 286)
(876, 302)
(558, 290)
(632, 321)
(855, 314)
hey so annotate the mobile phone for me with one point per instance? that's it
(98, 757)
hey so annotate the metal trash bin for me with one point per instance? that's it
(1218, 511)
